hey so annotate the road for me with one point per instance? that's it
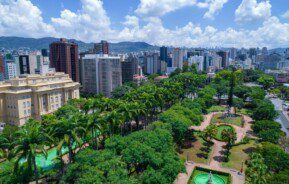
(282, 119)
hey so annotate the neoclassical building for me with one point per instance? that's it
(32, 96)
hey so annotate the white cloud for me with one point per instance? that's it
(286, 14)
(156, 8)
(22, 18)
(251, 10)
(214, 7)
(272, 33)
(89, 23)
(131, 21)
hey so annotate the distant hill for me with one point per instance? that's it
(41, 43)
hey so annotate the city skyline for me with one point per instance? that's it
(210, 23)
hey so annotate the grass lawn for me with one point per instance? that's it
(240, 154)
(197, 172)
(230, 120)
(220, 129)
(198, 149)
(245, 112)
(216, 108)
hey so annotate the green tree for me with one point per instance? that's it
(68, 130)
(274, 157)
(266, 81)
(238, 103)
(257, 170)
(94, 126)
(120, 91)
(210, 132)
(31, 140)
(265, 110)
(230, 136)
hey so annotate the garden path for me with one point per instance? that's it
(217, 152)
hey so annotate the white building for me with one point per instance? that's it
(10, 69)
(198, 60)
(101, 73)
(178, 58)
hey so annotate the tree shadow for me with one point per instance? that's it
(249, 150)
(219, 158)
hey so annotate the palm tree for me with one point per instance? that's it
(229, 135)
(114, 119)
(210, 132)
(95, 127)
(31, 140)
(68, 131)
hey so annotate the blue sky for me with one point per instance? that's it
(206, 23)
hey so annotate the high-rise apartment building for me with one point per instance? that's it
(10, 69)
(64, 58)
(178, 58)
(198, 61)
(2, 68)
(164, 54)
(225, 58)
(101, 48)
(129, 68)
(32, 96)
(101, 73)
(24, 64)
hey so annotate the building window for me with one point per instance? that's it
(51, 99)
(25, 113)
(28, 104)
(24, 104)
(56, 99)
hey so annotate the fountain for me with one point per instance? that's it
(208, 178)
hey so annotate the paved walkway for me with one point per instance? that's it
(216, 157)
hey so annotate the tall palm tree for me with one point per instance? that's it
(115, 119)
(31, 140)
(94, 126)
(69, 131)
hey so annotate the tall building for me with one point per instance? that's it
(153, 64)
(164, 53)
(233, 53)
(64, 58)
(129, 68)
(2, 68)
(10, 69)
(32, 96)
(265, 51)
(24, 64)
(225, 58)
(101, 48)
(178, 58)
(198, 61)
(101, 74)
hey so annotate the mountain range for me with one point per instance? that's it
(14, 43)
(43, 43)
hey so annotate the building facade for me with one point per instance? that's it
(101, 73)
(10, 69)
(101, 48)
(32, 96)
(178, 58)
(225, 58)
(2, 68)
(129, 69)
(64, 58)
